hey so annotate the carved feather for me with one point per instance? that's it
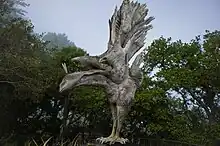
(135, 70)
(126, 22)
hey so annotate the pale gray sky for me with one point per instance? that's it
(86, 21)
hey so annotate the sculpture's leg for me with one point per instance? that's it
(114, 118)
(122, 112)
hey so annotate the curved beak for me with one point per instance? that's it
(60, 90)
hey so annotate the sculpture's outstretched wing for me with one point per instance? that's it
(91, 77)
(83, 78)
(128, 27)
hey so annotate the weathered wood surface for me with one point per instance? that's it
(128, 28)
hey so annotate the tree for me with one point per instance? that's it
(22, 70)
(190, 72)
(10, 10)
(29, 76)
(57, 41)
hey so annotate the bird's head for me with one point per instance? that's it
(66, 83)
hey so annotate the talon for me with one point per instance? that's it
(103, 140)
(112, 140)
(99, 139)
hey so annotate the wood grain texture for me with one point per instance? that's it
(128, 27)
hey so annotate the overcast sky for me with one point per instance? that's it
(86, 21)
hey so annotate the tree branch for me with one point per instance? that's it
(199, 101)
(8, 82)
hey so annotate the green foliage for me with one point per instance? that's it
(10, 10)
(21, 62)
(65, 55)
(188, 72)
(57, 41)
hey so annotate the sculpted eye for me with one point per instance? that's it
(63, 83)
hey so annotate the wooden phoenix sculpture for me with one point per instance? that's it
(128, 28)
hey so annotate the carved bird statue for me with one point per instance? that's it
(128, 28)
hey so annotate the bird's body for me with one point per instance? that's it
(120, 102)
